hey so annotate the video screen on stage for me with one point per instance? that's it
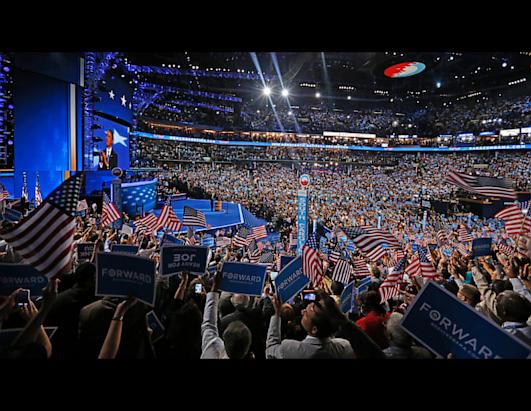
(113, 149)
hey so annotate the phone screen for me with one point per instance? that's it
(23, 297)
(309, 296)
(198, 288)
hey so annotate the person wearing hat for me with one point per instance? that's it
(469, 295)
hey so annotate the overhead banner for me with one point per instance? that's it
(124, 248)
(302, 219)
(180, 258)
(13, 276)
(243, 278)
(84, 251)
(291, 280)
(122, 275)
(445, 325)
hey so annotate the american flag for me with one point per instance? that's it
(463, 235)
(368, 238)
(253, 252)
(515, 221)
(109, 213)
(342, 271)
(268, 259)
(38, 196)
(335, 254)
(390, 287)
(485, 186)
(258, 233)
(312, 267)
(506, 249)
(426, 268)
(167, 217)
(24, 187)
(378, 253)
(147, 223)
(413, 268)
(441, 238)
(190, 237)
(241, 239)
(360, 268)
(191, 216)
(45, 237)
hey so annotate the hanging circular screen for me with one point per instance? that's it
(404, 69)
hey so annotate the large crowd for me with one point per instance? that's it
(472, 116)
(201, 322)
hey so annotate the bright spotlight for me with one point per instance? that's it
(317, 94)
(348, 98)
(504, 64)
(267, 91)
(438, 84)
(285, 92)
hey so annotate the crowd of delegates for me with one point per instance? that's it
(472, 116)
(210, 324)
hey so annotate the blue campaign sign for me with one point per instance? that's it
(124, 248)
(122, 275)
(364, 284)
(169, 239)
(348, 296)
(84, 251)
(302, 219)
(13, 276)
(156, 325)
(243, 278)
(290, 281)
(481, 246)
(285, 259)
(432, 246)
(414, 247)
(444, 324)
(178, 258)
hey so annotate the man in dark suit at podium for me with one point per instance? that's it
(108, 157)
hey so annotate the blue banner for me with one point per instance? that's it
(302, 219)
(285, 259)
(156, 325)
(124, 248)
(179, 258)
(481, 246)
(444, 324)
(84, 251)
(290, 281)
(169, 239)
(122, 275)
(243, 278)
(13, 276)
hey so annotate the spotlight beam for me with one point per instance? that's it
(277, 69)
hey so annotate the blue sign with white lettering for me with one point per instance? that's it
(444, 324)
(302, 219)
(8, 335)
(290, 281)
(348, 296)
(124, 248)
(84, 251)
(13, 276)
(481, 246)
(285, 259)
(243, 278)
(122, 275)
(178, 258)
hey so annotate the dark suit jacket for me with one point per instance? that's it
(253, 319)
(113, 161)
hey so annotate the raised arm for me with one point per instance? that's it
(114, 334)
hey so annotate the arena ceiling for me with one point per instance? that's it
(342, 77)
